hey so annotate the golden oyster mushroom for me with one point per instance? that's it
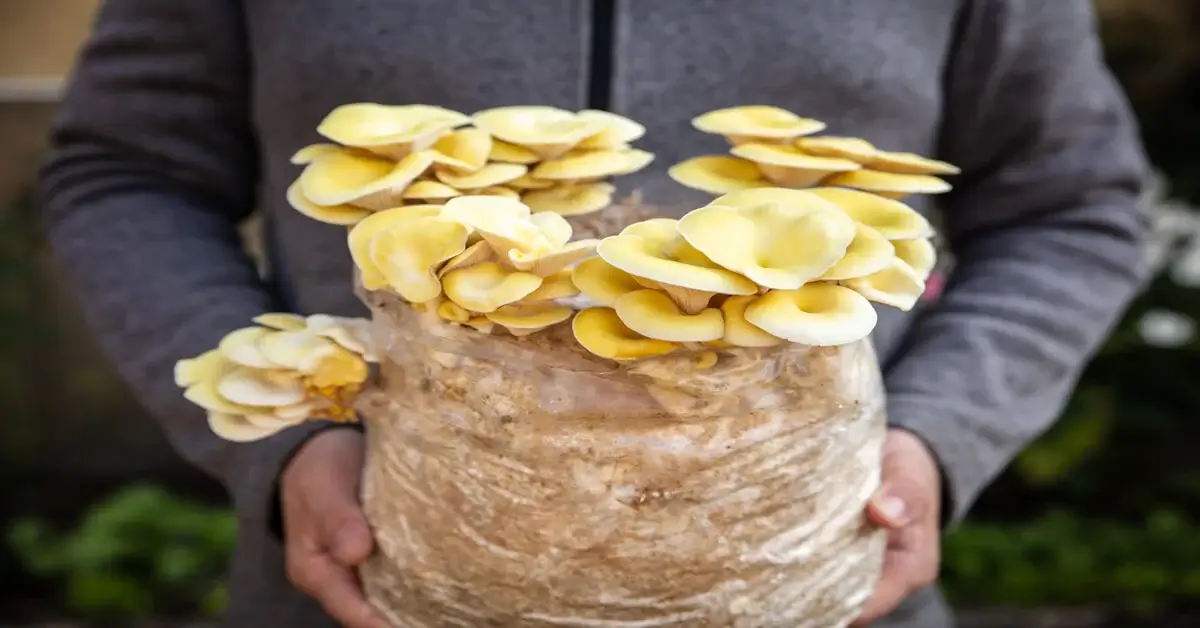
(349, 178)
(887, 184)
(409, 253)
(344, 215)
(868, 253)
(898, 286)
(740, 332)
(503, 223)
(618, 131)
(360, 237)
(918, 253)
(794, 200)
(556, 286)
(790, 167)
(506, 153)
(776, 246)
(654, 315)
(816, 314)
(751, 123)
(548, 131)
(389, 130)
(487, 287)
(718, 174)
(523, 319)
(909, 163)
(570, 199)
(891, 218)
(490, 175)
(600, 331)
(429, 191)
(602, 282)
(591, 165)
(852, 148)
(463, 151)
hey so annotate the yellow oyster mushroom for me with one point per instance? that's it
(333, 215)
(887, 184)
(740, 332)
(602, 282)
(486, 287)
(257, 388)
(776, 246)
(556, 228)
(618, 131)
(481, 324)
(463, 151)
(492, 174)
(347, 178)
(852, 148)
(898, 285)
(408, 255)
(559, 285)
(909, 163)
(503, 222)
(340, 368)
(529, 182)
(547, 131)
(306, 155)
(788, 166)
(242, 347)
(506, 153)
(429, 191)
(571, 199)
(868, 253)
(281, 321)
(477, 253)
(502, 191)
(546, 263)
(239, 428)
(794, 200)
(300, 351)
(360, 237)
(392, 131)
(453, 312)
(718, 174)
(891, 218)
(596, 164)
(352, 334)
(207, 366)
(600, 331)
(654, 315)
(756, 122)
(816, 314)
(526, 318)
(918, 253)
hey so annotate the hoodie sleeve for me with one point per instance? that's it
(1045, 229)
(153, 164)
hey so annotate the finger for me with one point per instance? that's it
(890, 591)
(352, 543)
(341, 529)
(887, 509)
(338, 591)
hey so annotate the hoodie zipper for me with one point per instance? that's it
(600, 61)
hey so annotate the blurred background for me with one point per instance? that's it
(1097, 524)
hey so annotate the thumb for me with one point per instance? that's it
(900, 499)
(339, 520)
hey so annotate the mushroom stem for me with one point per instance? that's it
(688, 300)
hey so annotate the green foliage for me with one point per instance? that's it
(139, 553)
(1060, 559)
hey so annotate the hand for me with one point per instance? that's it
(325, 533)
(908, 505)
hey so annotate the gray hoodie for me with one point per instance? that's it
(182, 115)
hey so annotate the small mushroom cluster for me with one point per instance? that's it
(484, 262)
(379, 157)
(283, 371)
(754, 268)
(773, 147)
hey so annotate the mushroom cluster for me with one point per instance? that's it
(485, 262)
(379, 157)
(773, 147)
(754, 268)
(283, 371)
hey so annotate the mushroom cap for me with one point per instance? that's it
(602, 282)
(359, 239)
(352, 334)
(487, 176)
(717, 174)
(451, 311)
(423, 190)
(463, 151)
(559, 285)
(792, 199)
(349, 178)
(237, 428)
(739, 332)
(502, 191)
(653, 260)
(600, 331)
(529, 317)
(306, 155)
(332, 215)
(507, 153)
(756, 121)
(888, 183)
(789, 156)
(529, 182)
(476, 253)
(777, 246)
(868, 253)
(241, 347)
(891, 218)
(909, 163)
(592, 164)
(918, 253)
(618, 131)
(852, 148)
(371, 124)
(547, 263)
(654, 315)
(898, 285)
(408, 254)
(282, 321)
(570, 199)
(816, 314)
(488, 286)
(545, 130)
(556, 228)
(503, 222)
(253, 388)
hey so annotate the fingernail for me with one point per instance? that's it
(892, 507)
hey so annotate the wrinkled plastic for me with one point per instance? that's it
(525, 482)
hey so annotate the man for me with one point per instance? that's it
(181, 111)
